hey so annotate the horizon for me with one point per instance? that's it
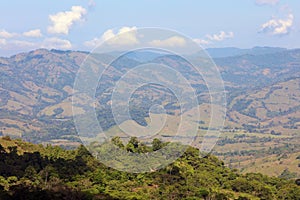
(82, 24)
(206, 49)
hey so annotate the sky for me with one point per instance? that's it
(81, 24)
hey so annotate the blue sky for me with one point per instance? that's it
(80, 24)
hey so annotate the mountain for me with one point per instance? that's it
(35, 85)
(263, 100)
(232, 51)
(36, 88)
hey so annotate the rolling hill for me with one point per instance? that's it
(262, 86)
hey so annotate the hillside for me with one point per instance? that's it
(31, 171)
(36, 90)
(262, 86)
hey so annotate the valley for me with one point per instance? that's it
(262, 127)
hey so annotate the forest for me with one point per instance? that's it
(30, 171)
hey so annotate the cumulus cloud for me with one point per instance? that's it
(56, 43)
(5, 34)
(22, 43)
(124, 36)
(49, 43)
(174, 41)
(93, 43)
(33, 33)
(267, 2)
(278, 26)
(62, 21)
(12, 46)
(211, 38)
(221, 36)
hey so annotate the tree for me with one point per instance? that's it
(241, 185)
(118, 142)
(132, 145)
(74, 174)
(289, 192)
(13, 152)
(30, 173)
(203, 193)
(82, 152)
(2, 150)
(157, 144)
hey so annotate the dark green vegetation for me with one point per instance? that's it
(35, 172)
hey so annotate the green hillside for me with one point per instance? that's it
(31, 171)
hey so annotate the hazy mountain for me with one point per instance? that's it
(36, 90)
(232, 51)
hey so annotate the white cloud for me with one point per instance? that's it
(108, 35)
(22, 43)
(221, 36)
(278, 26)
(5, 34)
(62, 21)
(13, 46)
(267, 2)
(33, 33)
(201, 41)
(124, 36)
(17, 45)
(56, 43)
(93, 43)
(209, 39)
(169, 42)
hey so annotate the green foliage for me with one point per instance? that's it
(156, 144)
(132, 145)
(118, 142)
(55, 173)
(289, 192)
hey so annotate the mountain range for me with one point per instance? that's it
(262, 89)
(262, 93)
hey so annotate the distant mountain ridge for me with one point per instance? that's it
(233, 51)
